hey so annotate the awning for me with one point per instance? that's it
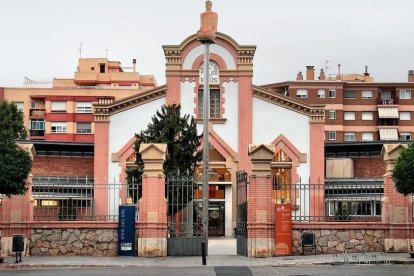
(388, 133)
(388, 112)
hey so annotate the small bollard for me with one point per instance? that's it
(203, 252)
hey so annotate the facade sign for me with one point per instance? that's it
(214, 71)
(283, 229)
(126, 230)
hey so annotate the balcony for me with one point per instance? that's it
(392, 101)
(37, 113)
(37, 134)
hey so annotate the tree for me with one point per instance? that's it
(403, 173)
(180, 135)
(15, 164)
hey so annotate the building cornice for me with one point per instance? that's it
(106, 106)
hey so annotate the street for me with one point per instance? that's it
(225, 271)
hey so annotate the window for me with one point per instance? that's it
(37, 124)
(367, 94)
(405, 94)
(58, 106)
(349, 94)
(83, 128)
(33, 104)
(349, 115)
(302, 93)
(349, 136)
(405, 135)
(332, 93)
(58, 127)
(102, 68)
(332, 114)
(92, 68)
(214, 103)
(367, 116)
(20, 106)
(367, 136)
(321, 93)
(332, 135)
(83, 107)
(405, 115)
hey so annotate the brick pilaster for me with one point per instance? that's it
(152, 241)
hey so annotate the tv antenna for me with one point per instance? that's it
(327, 66)
(80, 50)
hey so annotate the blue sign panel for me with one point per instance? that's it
(126, 230)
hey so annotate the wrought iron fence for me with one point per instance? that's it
(184, 212)
(80, 199)
(335, 200)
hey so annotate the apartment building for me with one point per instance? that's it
(62, 110)
(358, 109)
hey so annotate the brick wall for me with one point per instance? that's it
(62, 166)
(370, 167)
(1, 94)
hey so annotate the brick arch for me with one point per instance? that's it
(200, 59)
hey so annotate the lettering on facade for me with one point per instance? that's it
(214, 73)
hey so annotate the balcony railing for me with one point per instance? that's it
(37, 113)
(37, 133)
(392, 101)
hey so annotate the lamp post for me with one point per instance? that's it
(206, 145)
(206, 35)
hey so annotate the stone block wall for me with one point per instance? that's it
(337, 241)
(74, 242)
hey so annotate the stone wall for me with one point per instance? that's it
(74, 242)
(336, 241)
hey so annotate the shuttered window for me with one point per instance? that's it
(59, 106)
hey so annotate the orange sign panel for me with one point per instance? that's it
(283, 229)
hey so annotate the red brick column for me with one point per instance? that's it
(152, 220)
(261, 213)
(396, 208)
(317, 167)
(101, 167)
(245, 121)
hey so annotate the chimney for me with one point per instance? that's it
(299, 76)
(366, 71)
(134, 64)
(411, 76)
(339, 76)
(310, 73)
(322, 75)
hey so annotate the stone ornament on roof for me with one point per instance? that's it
(209, 21)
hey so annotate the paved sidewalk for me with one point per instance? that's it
(214, 260)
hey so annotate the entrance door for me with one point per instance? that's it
(216, 218)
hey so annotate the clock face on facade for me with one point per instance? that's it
(214, 72)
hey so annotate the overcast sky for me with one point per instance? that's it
(40, 39)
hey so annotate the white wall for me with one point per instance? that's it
(228, 231)
(187, 97)
(214, 49)
(270, 120)
(122, 127)
(230, 129)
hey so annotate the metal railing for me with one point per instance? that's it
(80, 199)
(336, 200)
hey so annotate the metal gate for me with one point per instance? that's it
(241, 223)
(184, 216)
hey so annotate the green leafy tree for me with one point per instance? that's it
(403, 173)
(15, 164)
(179, 132)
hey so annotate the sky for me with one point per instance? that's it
(40, 39)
